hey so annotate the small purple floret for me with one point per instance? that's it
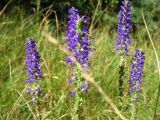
(73, 78)
(84, 87)
(72, 93)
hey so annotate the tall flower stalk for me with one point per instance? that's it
(79, 44)
(33, 69)
(124, 40)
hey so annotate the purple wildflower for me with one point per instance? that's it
(137, 71)
(78, 43)
(77, 38)
(32, 60)
(124, 28)
(33, 68)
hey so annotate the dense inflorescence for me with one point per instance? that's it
(78, 43)
(124, 28)
(33, 68)
(136, 73)
(77, 38)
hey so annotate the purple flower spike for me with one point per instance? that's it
(33, 68)
(32, 60)
(124, 28)
(137, 71)
(77, 38)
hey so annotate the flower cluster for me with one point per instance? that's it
(33, 68)
(124, 28)
(77, 38)
(78, 43)
(137, 71)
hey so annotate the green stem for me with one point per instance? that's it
(121, 76)
(76, 107)
(133, 112)
(158, 65)
(78, 96)
(38, 111)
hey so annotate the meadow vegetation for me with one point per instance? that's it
(17, 25)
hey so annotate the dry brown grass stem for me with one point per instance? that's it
(4, 8)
